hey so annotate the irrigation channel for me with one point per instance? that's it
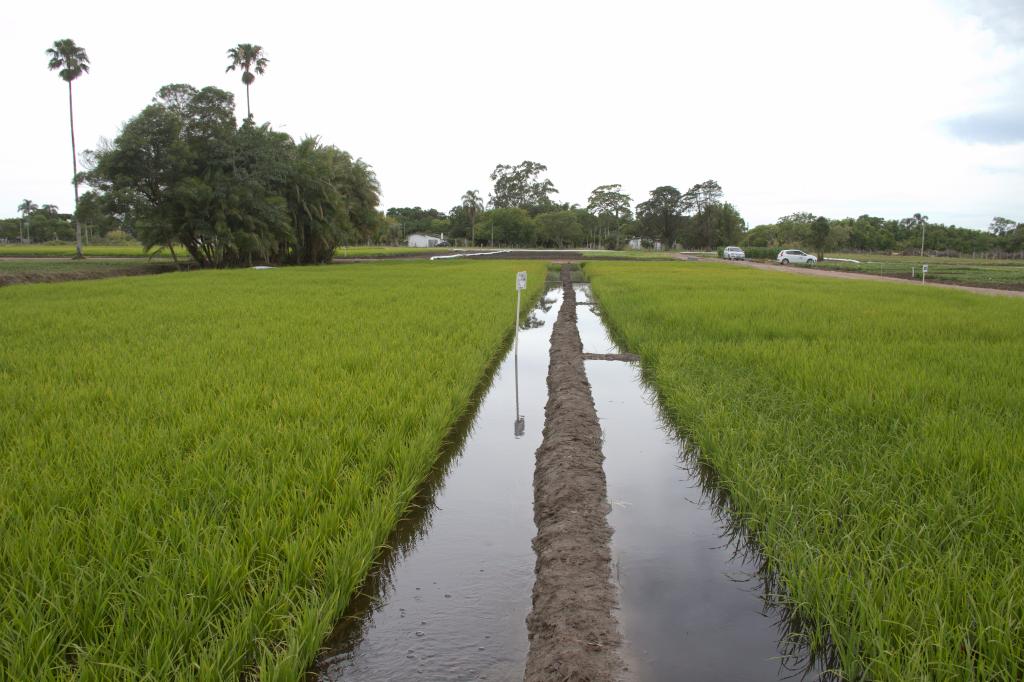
(449, 601)
(691, 597)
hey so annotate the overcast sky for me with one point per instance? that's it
(837, 108)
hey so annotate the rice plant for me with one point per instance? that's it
(870, 437)
(197, 469)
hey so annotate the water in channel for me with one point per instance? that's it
(690, 606)
(450, 602)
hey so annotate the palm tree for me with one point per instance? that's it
(26, 208)
(921, 220)
(72, 61)
(249, 58)
(473, 205)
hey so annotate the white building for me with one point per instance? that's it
(639, 243)
(425, 240)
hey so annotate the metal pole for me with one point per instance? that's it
(517, 323)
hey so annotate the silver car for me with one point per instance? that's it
(795, 256)
(733, 253)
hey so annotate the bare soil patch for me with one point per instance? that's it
(573, 632)
(31, 277)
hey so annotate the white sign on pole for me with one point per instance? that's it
(924, 267)
(520, 281)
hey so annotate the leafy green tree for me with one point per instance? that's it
(762, 235)
(661, 216)
(868, 233)
(722, 226)
(185, 174)
(1013, 240)
(610, 199)
(415, 219)
(559, 228)
(70, 61)
(819, 235)
(521, 186)
(458, 223)
(472, 204)
(99, 215)
(509, 226)
(701, 199)
(1001, 226)
(794, 229)
(612, 208)
(11, 228)
(251, 60)
(51, 225)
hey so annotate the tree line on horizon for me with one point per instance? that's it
(867, 233)
(521, 212)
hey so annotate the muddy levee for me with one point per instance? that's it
(573, 633)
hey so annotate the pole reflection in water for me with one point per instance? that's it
(520, 426)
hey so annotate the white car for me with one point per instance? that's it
(733, 253)
(795, 256)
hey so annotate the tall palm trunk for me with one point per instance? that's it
(74, 165)
(248, 109)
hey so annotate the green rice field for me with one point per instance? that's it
(870, 438)
(197, 469)
(1006, 274)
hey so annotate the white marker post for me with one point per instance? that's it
(520, 285)
(924, 271)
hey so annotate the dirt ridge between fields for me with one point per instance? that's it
(573, 631)
(43, 276)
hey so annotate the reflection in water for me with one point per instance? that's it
(799, 656)
(519, 429)
(449, 600)
(519, 426)
(696, 595)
